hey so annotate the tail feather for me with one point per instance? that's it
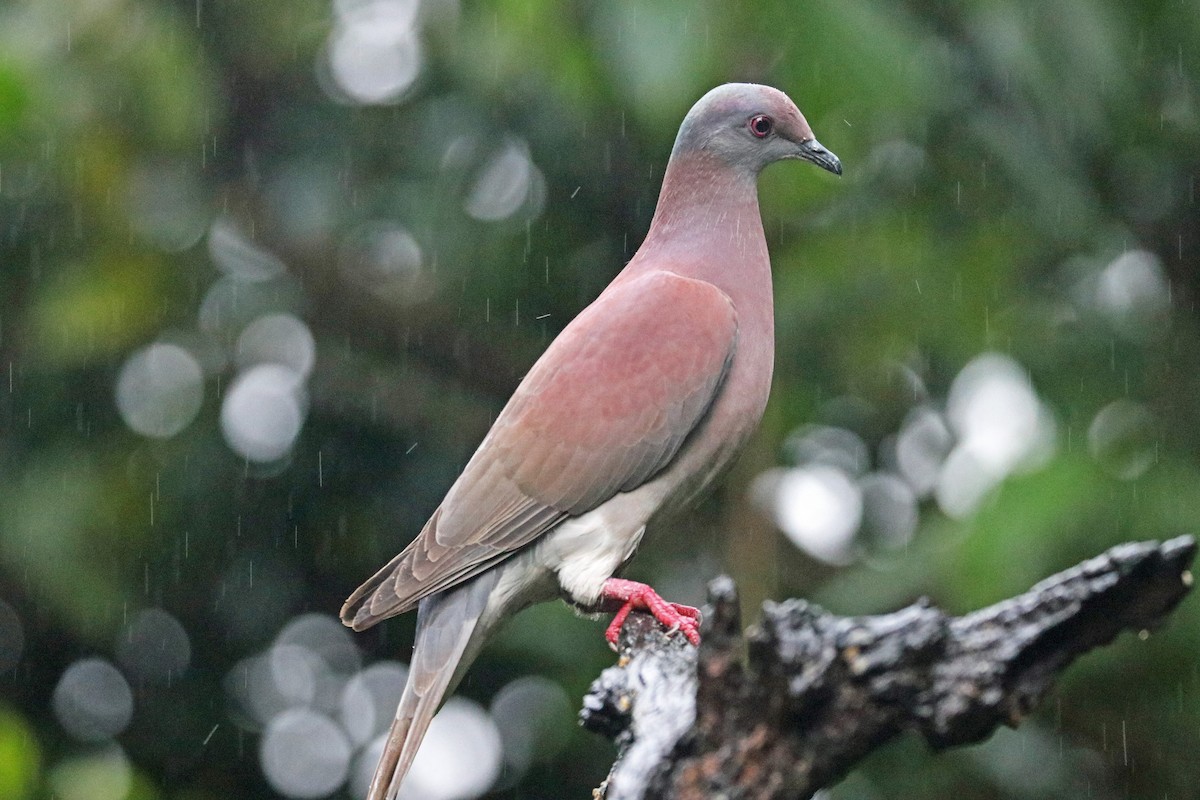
(377, 600)
(413, 716)
(448, 637)
(356, 611)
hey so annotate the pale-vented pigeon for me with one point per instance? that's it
(638, 405)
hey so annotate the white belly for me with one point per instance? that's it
(587, 550)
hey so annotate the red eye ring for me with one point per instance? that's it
(760, 125)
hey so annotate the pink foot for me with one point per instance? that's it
(633, 595)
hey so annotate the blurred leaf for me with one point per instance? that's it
(57, 531)
(14, 99)
(19, 756)
(97, 309)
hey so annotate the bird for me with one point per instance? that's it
(639, 404)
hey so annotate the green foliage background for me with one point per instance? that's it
(996, 153)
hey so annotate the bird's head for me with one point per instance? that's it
(749, 126)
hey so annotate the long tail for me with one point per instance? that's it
(448, 637)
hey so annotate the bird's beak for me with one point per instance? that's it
(814, 151)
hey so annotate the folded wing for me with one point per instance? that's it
(606, 407)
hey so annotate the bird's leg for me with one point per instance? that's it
(633, 595)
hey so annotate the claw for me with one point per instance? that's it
(633, 595)
(613, 633)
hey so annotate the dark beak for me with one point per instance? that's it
(814, 151)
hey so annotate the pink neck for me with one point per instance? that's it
(707, 222)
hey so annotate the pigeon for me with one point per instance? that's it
(635, 408)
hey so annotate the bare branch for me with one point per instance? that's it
(819, 692)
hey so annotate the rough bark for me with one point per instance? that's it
(818, 692)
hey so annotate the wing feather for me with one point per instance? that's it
(605, 409)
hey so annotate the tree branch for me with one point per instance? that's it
(819, 692)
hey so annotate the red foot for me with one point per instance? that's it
(633, 595)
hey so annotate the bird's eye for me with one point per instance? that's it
(760, 125)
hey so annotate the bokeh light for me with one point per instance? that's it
(1001, 426)
(324, 636)
(363, 768)
(370, 699)
(819, 507)
(277, 339)
(93, 701)
(460, 758)
(1122, 438)
(1134, 294)
(263, 412)
(384, 259)
(160, 390)
(922, 445)
(231, 304)
(154, 647)
(167, 204)
(239, 257)
(252, 682)
(374, 54)
(533, 715)
(507, 183)
(323, 718)
(890, 514)
(831, 445)
(304, 754)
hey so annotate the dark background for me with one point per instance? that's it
(267, 271)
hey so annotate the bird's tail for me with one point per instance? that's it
(449, 635)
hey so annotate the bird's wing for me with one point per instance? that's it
(604, 409)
